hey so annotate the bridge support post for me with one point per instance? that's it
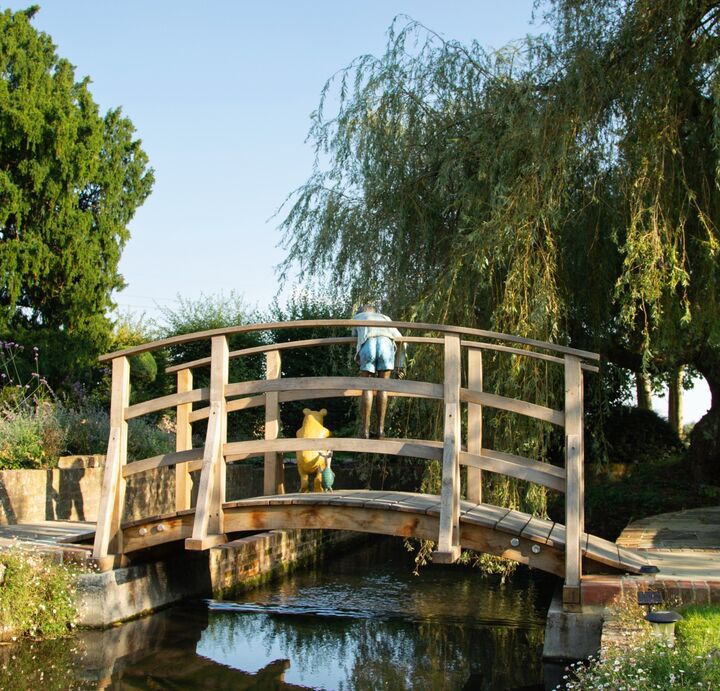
(448, 549)
(209, 520)
(183, 442)
(273, 480)
(474, 426)
(108, 535)
(574, 490)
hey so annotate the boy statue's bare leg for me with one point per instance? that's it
(382, 402)
(366, 408)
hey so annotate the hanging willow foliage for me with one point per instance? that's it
(563, 188)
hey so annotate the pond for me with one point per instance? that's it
(357, 621)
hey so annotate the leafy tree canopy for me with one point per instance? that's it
(564, 188)
(70, 182)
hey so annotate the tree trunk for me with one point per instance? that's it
(642, 388)
(704, 451)
(675, 401)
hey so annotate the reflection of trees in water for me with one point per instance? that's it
(441, 656)
(42, 665)
(396, 654)
(433, 630)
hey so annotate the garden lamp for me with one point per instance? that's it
(663, 623)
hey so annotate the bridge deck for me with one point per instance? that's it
(483, 527)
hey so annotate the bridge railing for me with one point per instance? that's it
(223, 397)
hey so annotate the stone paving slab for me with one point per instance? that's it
(689, 529)
(684, 545)
(57, 539)
(46, 532)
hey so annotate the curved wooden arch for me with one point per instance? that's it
(484, 528)
(349, 323)
(349, 340)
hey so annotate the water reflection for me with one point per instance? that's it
(357, 622)
(364, 622)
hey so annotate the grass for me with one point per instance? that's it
(693, 662)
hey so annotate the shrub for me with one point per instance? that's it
(635, 435)
(30, 437)
(36, 595)
(86, 427)
(146, 439)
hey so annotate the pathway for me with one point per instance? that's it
(683, 545)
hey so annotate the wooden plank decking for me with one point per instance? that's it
(483, 527)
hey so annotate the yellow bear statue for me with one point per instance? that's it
(309, 462)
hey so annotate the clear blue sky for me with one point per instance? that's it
(221, 93)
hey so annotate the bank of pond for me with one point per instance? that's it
(358, 620)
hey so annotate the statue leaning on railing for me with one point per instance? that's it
(378, 354)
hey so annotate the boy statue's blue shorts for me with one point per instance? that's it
(377, 354)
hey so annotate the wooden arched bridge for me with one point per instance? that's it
(447, 518)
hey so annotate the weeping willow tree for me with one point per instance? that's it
(563, 188)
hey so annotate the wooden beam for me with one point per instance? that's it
(448, 548)
(183, 442)
(300, 384)
(514, 405)
(108, 536)
(211, 492)
(474, 426)
(171, 401)
(574, 481)
(544, 474)
(163, 460)
(335, 323)
(347, 340)
(273, 480)
(412, 448)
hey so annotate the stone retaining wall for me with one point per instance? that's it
(71, 492)
(113, 596)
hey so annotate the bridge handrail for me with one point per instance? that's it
(312, 323)
(333, 387)
(347, 340)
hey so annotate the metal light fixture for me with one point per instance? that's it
(663, 623)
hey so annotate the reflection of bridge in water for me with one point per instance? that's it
(446, 518)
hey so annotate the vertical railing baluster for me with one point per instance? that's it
(183, 442)
(208, 529)
(108, 533)
(574, 491)
(474, 426)
(274, 482)
(449, 533)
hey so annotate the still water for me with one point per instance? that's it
(357, 621)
